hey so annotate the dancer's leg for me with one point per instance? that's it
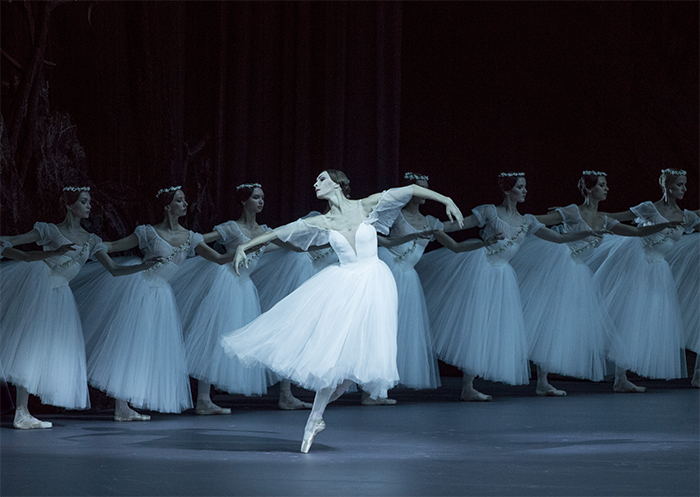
(287, 400)
(468, 391)
(623, 385)
(315, 423)
(544, 389)
(696, 375)
(122, 412)
(24, 420)
(205, 406)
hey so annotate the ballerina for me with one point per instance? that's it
(134, 334)
(340, 326)
(212, 299)
(568, 326)
(474, 303)
(41, 342)
(640, 293)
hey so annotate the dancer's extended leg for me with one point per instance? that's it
(24, 420)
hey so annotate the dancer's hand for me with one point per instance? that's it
(149, 263)
(493, 239)
(453, 212)
(239, 259)
(65, 248)
(600, 233)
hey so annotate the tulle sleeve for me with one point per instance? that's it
(97, 245)
(484, 214)
(387, 209)
(230, 233)
(145, 238)
(569, 214)
(533, 224)
(645, 213)
(691, 220)
(302, 234)
(435, 224)
(3, 246)
(195, 239)
(44, 230)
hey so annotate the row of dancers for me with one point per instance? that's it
(336, 315)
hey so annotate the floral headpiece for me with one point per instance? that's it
(76, 188)
(248, 185)
(674, 172)
(511, 175)
(593, 173)
(168, 190)
(415, 177)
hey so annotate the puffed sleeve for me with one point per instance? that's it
(44, 230)
(230, 233)
(195, 239)
(484, 214)
(569, 214)
(96, 245)
(387, 209)
(691, 220)
(302, 234)
(533, 224)
(435, 225)
(645, 213)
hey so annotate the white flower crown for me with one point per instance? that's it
(76, 188)
(248, 185)
(593, 173)
(511, 175)
(415, 177)
(166, 190)
(674, 172)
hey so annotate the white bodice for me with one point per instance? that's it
(408, 254)
(573, 223)
(65, 267)
(501, 252)
(231, 238)
(658, 245)
(152, 245)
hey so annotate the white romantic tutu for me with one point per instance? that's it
(278, 274)
(568, 327)
(415, 358)
(641, 297)
(340, 324)
(134, 339)
(41, 342)
(475, 315)
(212, 300)
(595, 257)
(684, 260)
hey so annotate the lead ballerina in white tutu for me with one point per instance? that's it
(340, 326)
(639, 290)
(41, 342)
(567, 323)
(474, 304)
(212, 300)
(134, 335)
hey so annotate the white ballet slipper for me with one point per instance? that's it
(313, 428)
(292, 404)
(549, 391)
(25, 421)
(471, 395)
(379, 401)
(627, 387)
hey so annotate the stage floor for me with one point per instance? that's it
(590, 443)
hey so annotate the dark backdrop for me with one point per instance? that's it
(134, 96)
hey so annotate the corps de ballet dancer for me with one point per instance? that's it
(639, 289)
(42, 348)
(474, 302)
(567, 323)
(213, 300)
(133, 331)
(340, 326)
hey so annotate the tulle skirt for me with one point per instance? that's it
(135, 346)
(340, 324)
(278, 274)
(567, 324)
(684, 260)
(475, 315)
(212, 300)
(41, 341)
(641, 298)
(415, 359)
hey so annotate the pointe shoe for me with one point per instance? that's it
(696, 379)
(628, 387)
(210, 410)
(379, 401)
(317, 426)
(550, 391)
(293, 404)
(132, 417)
(25, 421)
(474, 396)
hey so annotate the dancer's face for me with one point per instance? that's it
(678, 188)
(81, 207)
(255, 202)
(178, 206)
(518, 192)
(325, 186)
(600, 191)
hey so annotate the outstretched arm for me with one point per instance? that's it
(28, 237)
(212, 255)
(467, 245)
(240, 257)
(453, 212)
(551, 218)
(123, 270)
(552, 236)
(126, 243)
(212, 237)
(627, 230)
(34, 255)
(393, 241)
(627, 215)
